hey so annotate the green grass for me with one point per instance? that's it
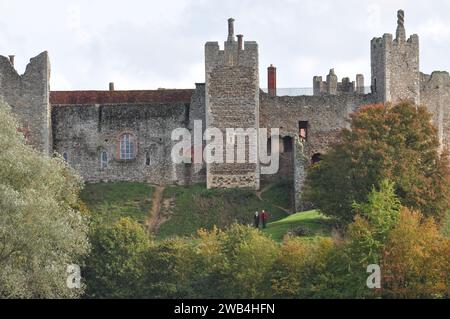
(196, 207)
(317, 224)
(280, 194)
(111, 201)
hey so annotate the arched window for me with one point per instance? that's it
(65, 157)
(127, 146)
(103, 160)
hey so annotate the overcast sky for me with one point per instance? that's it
(152, 44)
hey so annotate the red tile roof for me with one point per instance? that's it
(119, 97)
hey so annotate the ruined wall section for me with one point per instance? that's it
(325, 116)
(232, 101)
(196, 172)
(435, 95)
(84, 131)
(28, 95)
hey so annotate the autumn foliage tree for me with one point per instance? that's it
(415, 259)
(398, 143)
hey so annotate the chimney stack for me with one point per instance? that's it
(240, 43)
(11, 59)
(272, 80)
(111, 86)
(231, 30)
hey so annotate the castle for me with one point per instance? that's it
(126, 135)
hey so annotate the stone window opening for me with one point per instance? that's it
(269, 146)
(127, 146)
(375, 85)
(147, 159)
(303, 130)
(287, 144)
(103, 160)
(66, 157)
(316, 158)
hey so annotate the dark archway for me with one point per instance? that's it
(316, 158)
(287, 144)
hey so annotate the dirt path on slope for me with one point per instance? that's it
(156, 219)
(265, 189)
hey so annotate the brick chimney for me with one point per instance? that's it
(11, 59)
(240, 43)
(272, 80)
(111, 86)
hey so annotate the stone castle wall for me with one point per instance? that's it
(435, 95)
(325, 116)
(28, 95)
(232, 101)
(83, 124)
(395, 66)
(84, 131)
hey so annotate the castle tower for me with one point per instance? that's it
(395, 65)
(232, 102)
(29, 97)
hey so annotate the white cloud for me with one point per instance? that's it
(151, 44)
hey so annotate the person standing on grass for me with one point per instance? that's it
(256, 219)
(264, 218)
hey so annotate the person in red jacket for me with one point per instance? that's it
(264, 217)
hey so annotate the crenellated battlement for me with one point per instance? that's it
(332, 87)
(395, 65)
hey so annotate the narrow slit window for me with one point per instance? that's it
(103, 160)
(147, 159)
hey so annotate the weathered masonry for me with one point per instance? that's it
(126, 135)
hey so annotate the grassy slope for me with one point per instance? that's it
(280, 194)
(196, 207)
(110, 201)
(317, 224)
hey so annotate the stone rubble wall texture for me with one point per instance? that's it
(84, 131)
(232, 101)
(435, 95)
(28, 95)
(83, 124)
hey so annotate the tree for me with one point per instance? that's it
(299, 267)
(115, 266)
(41, 232)
(415, 259)
(398, 143)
